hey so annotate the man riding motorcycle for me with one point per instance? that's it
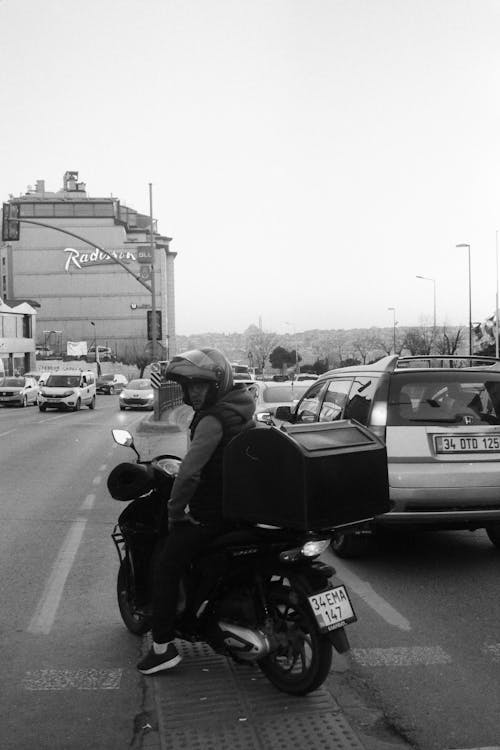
(221, 411)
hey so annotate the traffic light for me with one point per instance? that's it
(10, 229)
(158, 325)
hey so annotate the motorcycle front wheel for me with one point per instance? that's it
(303, 658)
(136, 619)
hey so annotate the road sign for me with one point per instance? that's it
(144, 254)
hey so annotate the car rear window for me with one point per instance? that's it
(430, 398)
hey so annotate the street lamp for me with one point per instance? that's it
(496, 305)
(97, 363)
(427, 278)
(464, 244)
(295, 343)
(394, 323)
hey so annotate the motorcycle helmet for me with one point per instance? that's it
(202, 365)
(127, 481)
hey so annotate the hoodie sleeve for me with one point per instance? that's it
(207, 437)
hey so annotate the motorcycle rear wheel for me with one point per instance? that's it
(136, 620)
(303, 659)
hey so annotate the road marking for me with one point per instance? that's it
(369, 595)
(78, 679)
(400, 656)
(97, 480)
(6, 433)
(45, 613)
(88, 503)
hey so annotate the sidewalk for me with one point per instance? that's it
(211, 702)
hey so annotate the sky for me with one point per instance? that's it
(309, 158)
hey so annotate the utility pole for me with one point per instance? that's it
(153, 285)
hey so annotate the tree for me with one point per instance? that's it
(138, 356)
(281, 358)
(448, 343)
(260, 344)
(418, 341)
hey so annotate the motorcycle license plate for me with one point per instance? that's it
(332, 608)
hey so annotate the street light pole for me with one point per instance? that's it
(393, 328)
(153, 285)
(464, 244)
(97, 362)
(427, 278)
(496, 303)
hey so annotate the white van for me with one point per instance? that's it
(68, 389)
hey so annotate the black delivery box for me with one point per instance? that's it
(307, 477)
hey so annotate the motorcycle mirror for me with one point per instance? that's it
(122, 437)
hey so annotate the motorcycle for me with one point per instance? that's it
(257, 594)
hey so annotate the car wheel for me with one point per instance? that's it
(349, 544)
(493, 532)
(92, 403)
(78, 405)
(111, 390)
(42, 407)
(25, 402)
(122, 408)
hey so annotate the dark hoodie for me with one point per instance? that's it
(197, 490)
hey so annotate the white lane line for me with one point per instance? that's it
(45, 613)
(79, 679)
(401, 656)
(2, 434)
(51, 419)
(369, 595)
(88, 503)
(97, 480)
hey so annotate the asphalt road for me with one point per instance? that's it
(427, 643)
(68, 665)
(425, 649)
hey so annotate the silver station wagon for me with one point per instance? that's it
(440, 420)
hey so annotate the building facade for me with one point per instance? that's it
(83, 293)
(17, 338)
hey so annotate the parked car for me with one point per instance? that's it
(271, 395)
(111, 383)
(68, 389)
(40, 377)
(305, 376)
(105, 354)
(18, 391)
(440, 420)
(138, 394)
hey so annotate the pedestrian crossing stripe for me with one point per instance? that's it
(77, 679)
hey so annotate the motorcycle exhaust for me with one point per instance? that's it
(247, 644)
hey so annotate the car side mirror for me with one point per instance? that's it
(284, 413)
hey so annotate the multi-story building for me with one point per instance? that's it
(83, 293)
(17, 337)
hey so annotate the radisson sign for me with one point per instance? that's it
(79, 259)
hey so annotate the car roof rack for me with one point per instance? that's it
(450, 361)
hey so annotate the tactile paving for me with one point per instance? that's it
(210, 703)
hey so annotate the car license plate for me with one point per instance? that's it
(467, 443)
(332, 608)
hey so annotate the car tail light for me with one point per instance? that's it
(378, 419)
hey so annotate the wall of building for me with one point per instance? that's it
(74, 283)
(17, 338)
